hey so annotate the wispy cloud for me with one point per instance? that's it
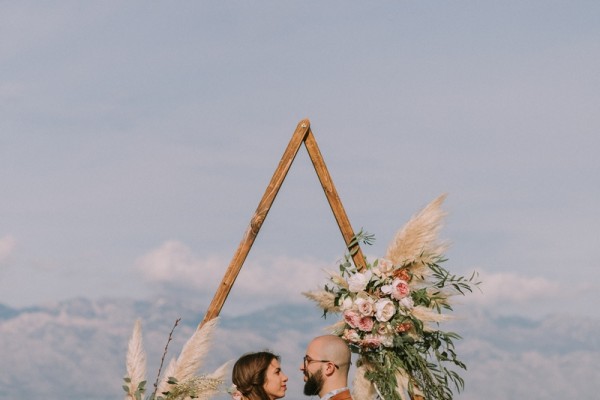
(174, 265)
(174, 268)
(514, 289)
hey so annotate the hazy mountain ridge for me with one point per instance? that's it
(553, 334)
(76, 349)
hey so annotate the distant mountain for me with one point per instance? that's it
(76, 349)
(7, 312)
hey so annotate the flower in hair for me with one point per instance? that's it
(234, 392)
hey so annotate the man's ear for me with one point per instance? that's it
(329, 369)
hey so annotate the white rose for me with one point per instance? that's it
(387, 340)
(358, 282)
(365, 306)
(351, 335)
(384, 310)
(346, 304)
(386, 289)
(385, 267)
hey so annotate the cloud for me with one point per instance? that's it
(7, 246)
(510, 287)
(174, 263)
(176, 271)
(173, 266)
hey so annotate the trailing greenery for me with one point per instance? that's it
(391, 319)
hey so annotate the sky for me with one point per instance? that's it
(136, 140)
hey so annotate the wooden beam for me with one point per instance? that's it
(334, 200)
(256, 221)
(302, 134)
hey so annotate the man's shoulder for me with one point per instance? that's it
(344, 395)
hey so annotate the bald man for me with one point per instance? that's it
(325, 368)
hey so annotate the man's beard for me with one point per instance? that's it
(314, 384)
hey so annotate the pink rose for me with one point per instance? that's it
(351, 318)
(371, 341)
(365, 324)
(400, 289)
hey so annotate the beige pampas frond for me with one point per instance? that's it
(193, 352)
(362, 388)
(337, 279)
(419, 236)
(220, 372)
(337, 328)
(136, 360)
(427, 314)
(192, 355)
(201, 387)
(196, 387)
(324, 300)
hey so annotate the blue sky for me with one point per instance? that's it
(137, 139)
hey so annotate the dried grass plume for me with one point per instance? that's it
(191, 357)
(324, 300)
(418, 238)
(136, 360)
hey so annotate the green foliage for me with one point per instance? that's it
(423, 354)
(138, 392)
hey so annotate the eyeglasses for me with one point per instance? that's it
(308, 360)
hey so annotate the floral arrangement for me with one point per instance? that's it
(391, 310)
(180, 380)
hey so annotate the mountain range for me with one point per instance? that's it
(76, 349)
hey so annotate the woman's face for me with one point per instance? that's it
(275, 381)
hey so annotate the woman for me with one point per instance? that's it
(258, 376)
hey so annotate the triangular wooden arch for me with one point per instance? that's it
(302, 134)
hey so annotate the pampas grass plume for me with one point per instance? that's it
(164, 384)
(324, 300)
(192, 355)
(426, 314)
(193, 352)
(220, 372)
(337, 328)
(419, 235)
(136, 359)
